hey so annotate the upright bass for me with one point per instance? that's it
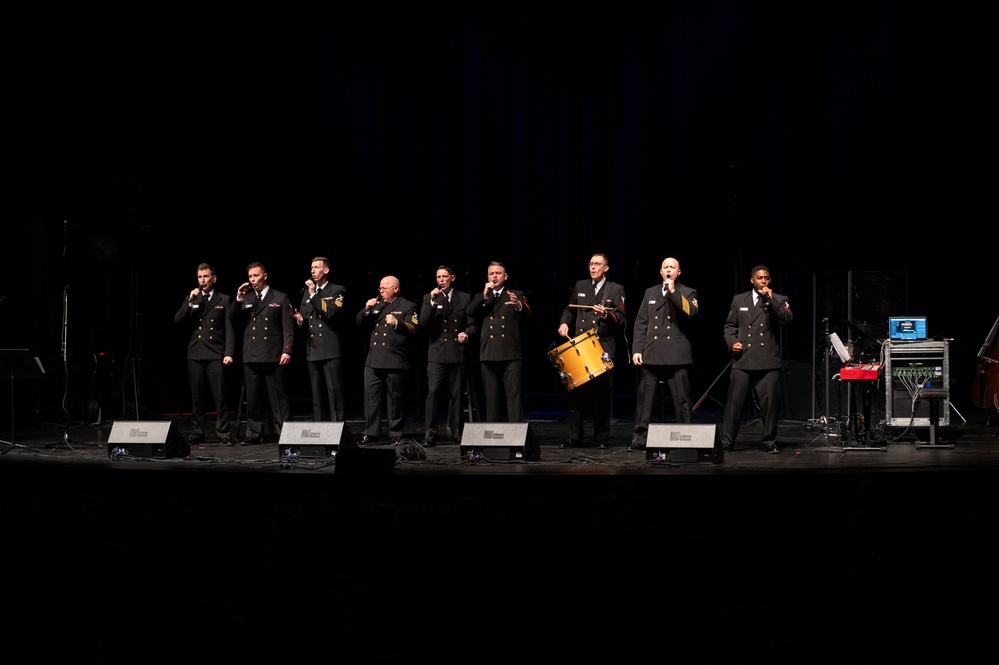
(985, 387)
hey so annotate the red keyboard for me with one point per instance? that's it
(860, 372)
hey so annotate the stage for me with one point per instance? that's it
(826, 552)
(968, 442)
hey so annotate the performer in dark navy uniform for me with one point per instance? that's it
(268, 339)
(209, 352)
(392, 320)
(499, 313)
(662, 348)
(751, 330)
(444, 315)
(322, 308)
(595, 304)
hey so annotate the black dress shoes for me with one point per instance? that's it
(728, 447)
(251, 441)
(636, 448)
(196, 438)
(602, 445)
(771, 447)
(429, 443)
(368, 439)
(396, 439)
(571, 443)
(226, 441)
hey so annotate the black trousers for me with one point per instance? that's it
(439, 376)
(381, 386)
(503, 378)
(766, 383)
(677, 379)
(595, 396)
(265, 384)
(207, 380)
(326, 379)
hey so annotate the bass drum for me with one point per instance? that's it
(580, 360)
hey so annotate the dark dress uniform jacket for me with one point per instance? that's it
(756, 327)
(269, 329)
(212, 335)
(388, 347)
(581, 320)
(443, 321)
(662, 324)
(499, 326)
(323, 311)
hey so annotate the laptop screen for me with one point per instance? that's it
(907, 328)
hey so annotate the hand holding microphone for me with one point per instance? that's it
(372, 303)
(194, 294)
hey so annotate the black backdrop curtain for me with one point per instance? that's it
(394, 137)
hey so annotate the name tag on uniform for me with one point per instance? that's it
(581, 295)
(743, 309)
(652, 302)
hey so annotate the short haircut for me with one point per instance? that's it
(206, 266)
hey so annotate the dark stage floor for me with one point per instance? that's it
(969, 441)
(827, 552)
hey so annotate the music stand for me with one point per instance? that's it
(17, 364)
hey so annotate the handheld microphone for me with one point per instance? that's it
(371, 307)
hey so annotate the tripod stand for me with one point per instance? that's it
(18, 364)
(832, 341)
(708, 391)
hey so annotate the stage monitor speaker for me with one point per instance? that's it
(146, 438)
(498, 442)
(365, 462)
(313, 439)
(676, 442)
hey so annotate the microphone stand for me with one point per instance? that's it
(825, 420)
(65, 369)
(64, 342)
